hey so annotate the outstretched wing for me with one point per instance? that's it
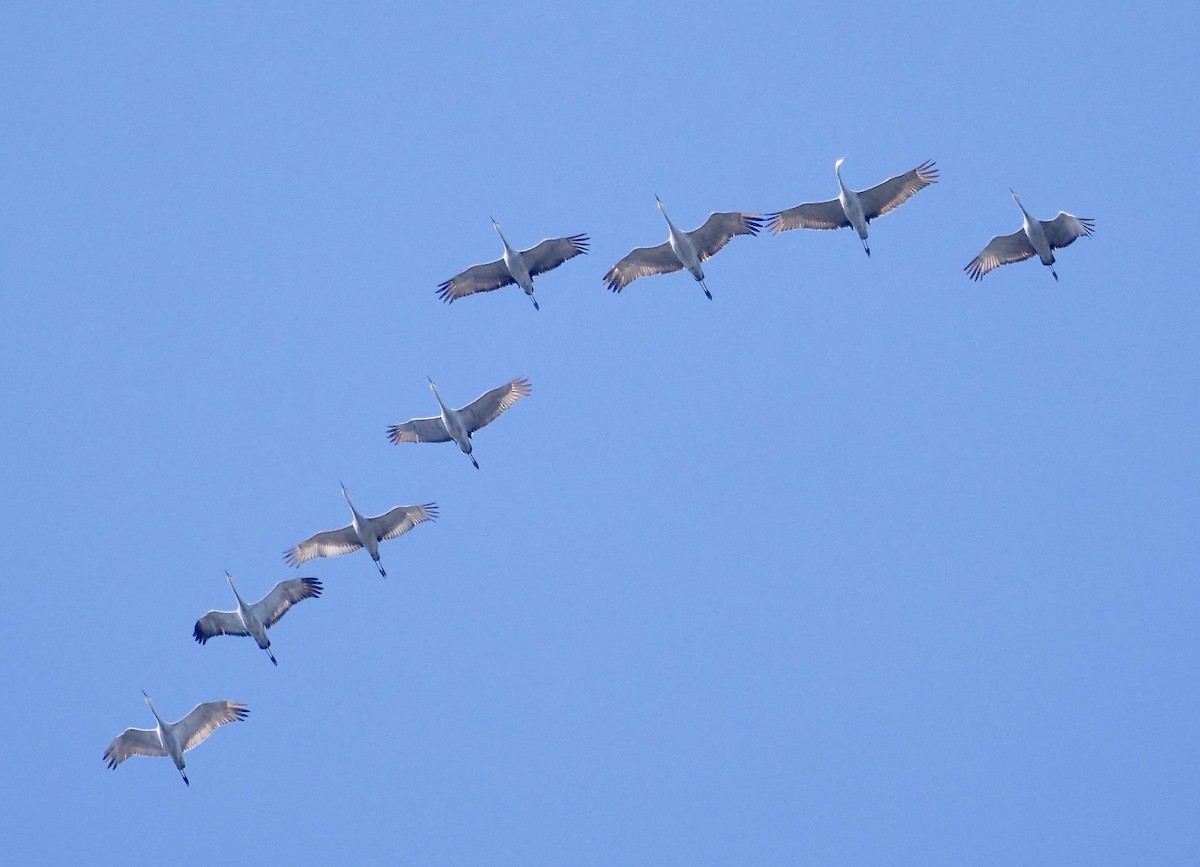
(401, 519)
(894, 192)
(218, 623)
(642, 262)
(419, 430)
(283, 596)
(133, 742)
(205, 719)
(490, 404)
(811, 215)
(479, 278)
(1001, 250)
(719, 229)
(1065, 228)
(331, 543)
(553, 252)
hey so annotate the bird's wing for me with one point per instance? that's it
(642, 262)
(719, 228)
(1065, 228)
(553, 252)
(490, 404)
(133, 742)
(478, 278)
(283, 596)
(218, 623)
(419, 430)
(206, 718)
(331, 543)
(894, 192)
(401, 519)
(811, 215)
(1001, 250)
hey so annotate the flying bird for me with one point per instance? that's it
(1035, 237)
(855, 209)
(174, 739)
(516, 266)
(363, 532)
(460, 424)
(255, 619)
(682, 249)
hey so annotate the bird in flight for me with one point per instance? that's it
(256, 618)
(363, 532)
(855, 209)
(174, 738)
(1035, 238)
(682, 249)
(459, 424)
(515, 266)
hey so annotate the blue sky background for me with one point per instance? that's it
(859, 563)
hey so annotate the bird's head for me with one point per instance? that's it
(837, 166)
(228, 577)
(345, 492)
(660, 204)
(1015, 195)
(496, 226)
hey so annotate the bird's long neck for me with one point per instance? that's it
(503, 240)
(353, 511)
(670, 226)
(837, 170)
(437, 394)
(233, 587)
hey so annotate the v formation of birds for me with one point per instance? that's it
(681, 251)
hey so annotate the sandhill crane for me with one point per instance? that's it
(174, 739)
(255, 619)
(363, 532)
(515, 266)
(855, 209)
(460, 424)
(682, 249)
(1035, 237)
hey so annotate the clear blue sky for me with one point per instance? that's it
(858, 563)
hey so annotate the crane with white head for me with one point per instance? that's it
(855, 209)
